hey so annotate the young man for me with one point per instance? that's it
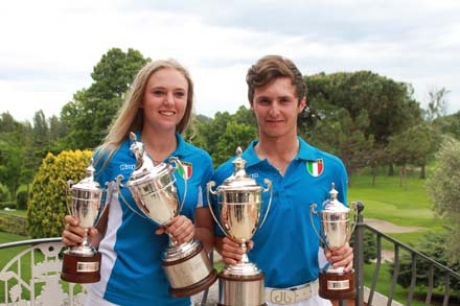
(286, 248)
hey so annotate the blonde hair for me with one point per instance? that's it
(131, 117)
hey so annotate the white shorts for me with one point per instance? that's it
(93, 300)
(315, 300)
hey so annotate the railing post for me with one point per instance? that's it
(358, 249)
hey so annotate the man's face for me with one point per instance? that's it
(276, 107)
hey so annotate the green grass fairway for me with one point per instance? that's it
(407, 205)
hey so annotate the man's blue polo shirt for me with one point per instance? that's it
(286, 246)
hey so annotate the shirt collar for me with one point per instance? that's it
(306, 152)
(181, 145)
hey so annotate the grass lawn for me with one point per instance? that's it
(7, 254)
(403, 206)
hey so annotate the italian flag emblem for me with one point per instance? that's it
(185, 170)
(315, 168)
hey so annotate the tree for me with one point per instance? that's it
(92, 110)
(389, 105)
(12, 152)
(7, 123)
(414, 146)
(235, 135)
(449, 125)
(342, 136)
(443, 191)
(48, 203)
(437, 105)
(387, 102)
(212, 130)
(222, 135)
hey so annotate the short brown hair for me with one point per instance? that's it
(271, 67)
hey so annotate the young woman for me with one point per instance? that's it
(157, 109)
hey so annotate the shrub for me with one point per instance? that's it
(7, 205)
(433, 245)
(21, 200)
(4, 193)
(48, 198)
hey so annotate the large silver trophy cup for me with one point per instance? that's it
(238, 214)
(336, 229)
(81, 263)
(186, 265)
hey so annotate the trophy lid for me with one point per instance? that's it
(239, 180)
(88, 183)
(332, 205)
(146, 169)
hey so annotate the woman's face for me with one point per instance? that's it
(165, 99)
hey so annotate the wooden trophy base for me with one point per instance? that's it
(247, 290)
(81, 269)
(334, 286)
(191, 274)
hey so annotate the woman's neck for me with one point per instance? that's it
(159, 145)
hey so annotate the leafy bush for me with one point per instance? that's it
(13, 224)
(21, 200)
(48, 198)
(433, 246)
(4, 193)
(442, 187)
(7, 205)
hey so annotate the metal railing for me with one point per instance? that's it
(32, 276)
(42, 285)
(443, 275)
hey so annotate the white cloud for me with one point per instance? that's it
(48, 48)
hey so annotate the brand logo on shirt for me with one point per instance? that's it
(315, 168)
(185, 170)
(127, 167)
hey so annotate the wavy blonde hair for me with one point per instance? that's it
(130, 117)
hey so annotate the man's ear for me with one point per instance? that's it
(302, 105)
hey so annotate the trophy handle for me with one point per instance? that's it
(119, 185)
(355, 219)
(176, 162)
(208, 191)
(269, 187)
(108, 199)
(67, 193)
(313, 211)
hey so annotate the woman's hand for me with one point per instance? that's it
(181, 229)
(73, 234)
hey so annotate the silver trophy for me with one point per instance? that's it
(336, 229)
(186, 265)
(238, 214)
(81, 263)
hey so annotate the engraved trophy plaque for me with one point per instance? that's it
(81, 263)
(335, 232)
(238, 214)
(186, 265)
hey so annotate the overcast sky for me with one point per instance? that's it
(48, 48)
